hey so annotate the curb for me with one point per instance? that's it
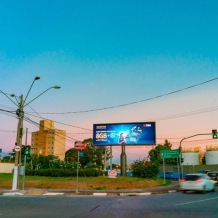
(12, 193)
(135, 194)
(95, 194)
(100, 194)
(52, 193)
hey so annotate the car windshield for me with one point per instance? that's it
(192, 177)
(212, 174)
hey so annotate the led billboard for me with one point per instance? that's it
(142, 133)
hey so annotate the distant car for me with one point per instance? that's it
(214, 176)
(172, 175)
(197, 182)
(160, 175)
(204, 171)
(128, 173)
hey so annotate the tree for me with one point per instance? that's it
(95, 154)
(71, 155)
(45, 162)
(144, 169)
(7, 159)
(154, 154)
(91, 155)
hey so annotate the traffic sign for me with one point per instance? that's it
(17, 148)
(78, 145)
(169, 153)
(81, 154)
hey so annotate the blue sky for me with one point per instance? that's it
(108, 53)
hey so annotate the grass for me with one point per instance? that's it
(85, 183)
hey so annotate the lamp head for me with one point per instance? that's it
(56, 87)
(37, 77)
(12, 95)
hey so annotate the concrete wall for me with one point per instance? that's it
(190, 168)
(6, 167)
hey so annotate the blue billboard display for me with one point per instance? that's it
(142, 133)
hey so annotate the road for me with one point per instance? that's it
(163, 205)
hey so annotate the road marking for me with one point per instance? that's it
(192, 202)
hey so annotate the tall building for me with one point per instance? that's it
(48, 140)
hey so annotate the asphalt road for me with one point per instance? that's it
(163, 205)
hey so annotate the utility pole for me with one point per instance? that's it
(19, 112)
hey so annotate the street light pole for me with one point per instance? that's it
(20, 113)
(18, 142)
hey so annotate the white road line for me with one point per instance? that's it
(192, 202)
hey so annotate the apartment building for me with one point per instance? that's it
(48, 140)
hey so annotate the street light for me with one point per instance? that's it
(20, 113)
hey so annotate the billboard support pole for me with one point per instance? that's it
(123, 161)
(111, 158)
(77, 172)
(104, 161)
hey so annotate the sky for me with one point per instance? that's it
(105, 54)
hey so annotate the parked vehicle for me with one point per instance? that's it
(197, 182)
(160, 175)
(214, 176)
(172, 175)
(204, 171)
(129, 173)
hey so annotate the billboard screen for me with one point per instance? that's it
(142, 133)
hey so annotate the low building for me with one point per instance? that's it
(48, 140)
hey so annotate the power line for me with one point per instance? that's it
(136, 102)
(187, 113)
(60, 122)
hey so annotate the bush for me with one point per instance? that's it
(62, 172)
(144, 169)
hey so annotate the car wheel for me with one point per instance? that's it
(214, 188)
(184, 191)
(204, 190)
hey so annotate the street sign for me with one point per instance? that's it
(81, 154)
(169, 153)
(112, 174)
(17, 148)
(78, 145)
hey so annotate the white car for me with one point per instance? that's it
(197, 182)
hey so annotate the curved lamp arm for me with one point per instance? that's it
(54, 87)
(36, 78)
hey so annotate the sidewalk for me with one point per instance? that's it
(174, 187)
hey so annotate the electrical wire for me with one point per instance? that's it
(136, 102)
